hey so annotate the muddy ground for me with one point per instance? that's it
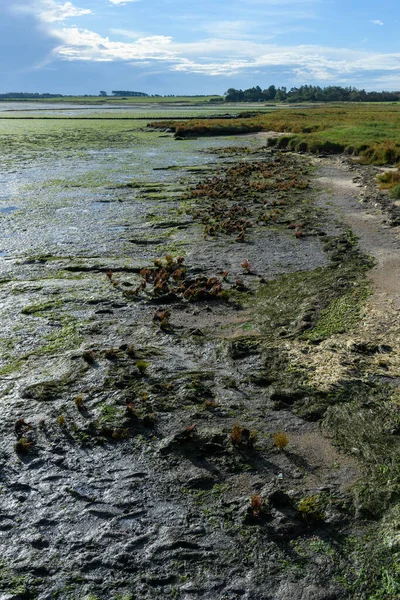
(142, 393)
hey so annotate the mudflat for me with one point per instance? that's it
(199, 368)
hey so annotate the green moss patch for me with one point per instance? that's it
(65, 338)
(342, 315)
(39, 309)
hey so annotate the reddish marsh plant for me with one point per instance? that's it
(281, 440)
(89, 356)
(246, 265)
(256, 503)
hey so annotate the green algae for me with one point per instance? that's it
(41, 136)
(374, 570)
(316, 304)
(67, 337)
(364, 420)
(111, 415)
(41, 308)
(342, 315)
(292, 303)
(14, 584)
(14, 365)
(91, 179)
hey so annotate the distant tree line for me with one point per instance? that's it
(128, 93)
(34, 96)
(28, 95)
(309, 93)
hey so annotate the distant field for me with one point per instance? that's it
(119, 99)
(371, 131)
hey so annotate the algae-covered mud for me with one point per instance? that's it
(198, 374)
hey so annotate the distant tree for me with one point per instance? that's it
(269, 93)
(128, 93)
(281, 94)
(102, 93)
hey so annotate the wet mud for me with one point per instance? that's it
(177, 352)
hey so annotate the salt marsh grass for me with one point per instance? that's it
(371, 131)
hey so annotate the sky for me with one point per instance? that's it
(197, 47)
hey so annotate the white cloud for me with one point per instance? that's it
(376, 22)
(224, 57)
(82, 44)
(50, 11)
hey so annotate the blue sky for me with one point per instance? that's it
(197, 47)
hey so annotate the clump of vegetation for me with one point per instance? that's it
(311, 509)
(280, 439)
(389, 179)
(257, 512)
(131, 412)
(395, 192)
(131, 351)
(61, 421)
(79, 403)
(256, 502)
(236, 435)
(120, 433)
(168, 279)
(142, 366)
(89, 357)
(24, 445)
(162, 316)
(246, 266)
(206, 127)
(111, 353)
(21, 427)
(241, 436)
(209, 404)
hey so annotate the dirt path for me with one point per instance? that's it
(343, 193)
(339, 187)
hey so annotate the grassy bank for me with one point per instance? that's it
(371, 131)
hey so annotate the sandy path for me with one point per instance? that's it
(375, 237)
